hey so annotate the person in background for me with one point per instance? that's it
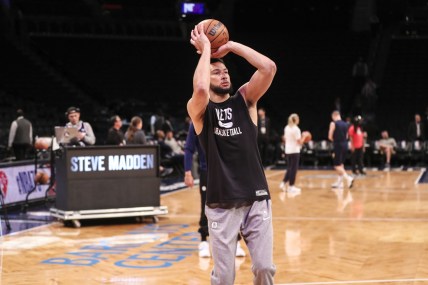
(387, 146)
(173, 143)
(357, 138)
(115, 134)
(263, 138)
(416, 130)
(20, 136)
(191, 147)
(338, 134)
(238, 198)
(85, 135)
(293, 144)
(135, 133)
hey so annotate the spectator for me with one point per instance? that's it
(387, 146)
(20, 136)
(115, 134)
(416, 130)
(173, 143)
(135, 133)
(85, 135)
(357, 138)
(168, 157)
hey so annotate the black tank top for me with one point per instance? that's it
(340, 131)
(235, 172)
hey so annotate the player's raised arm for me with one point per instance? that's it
(201, 78)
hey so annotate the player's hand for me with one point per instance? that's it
(198, 38)
(188, 179)
(222, 50)
(81, 135)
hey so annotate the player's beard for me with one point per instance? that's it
(221, 91)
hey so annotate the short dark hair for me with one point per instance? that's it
(214, 60)
(19, 112)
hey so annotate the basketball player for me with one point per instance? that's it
(238, 198)
(338, 134)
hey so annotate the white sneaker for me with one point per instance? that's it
(282, 186)
(293, 191)
(204, 249)
(350, 181)
(239, 251)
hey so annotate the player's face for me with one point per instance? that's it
(220, 79)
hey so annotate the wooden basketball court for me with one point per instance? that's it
(375, 234)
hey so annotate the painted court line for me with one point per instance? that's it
(420, 176)
(351, 219)
(360, 282)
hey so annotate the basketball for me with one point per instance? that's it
(307, 135)
(44, 179)
(216, 32)
(41, 178)
(43, 143)
(37, 177)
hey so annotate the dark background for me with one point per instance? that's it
(132, 57)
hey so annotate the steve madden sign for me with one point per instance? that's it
(112, 162)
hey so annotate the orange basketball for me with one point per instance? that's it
(37, 177)
(307, 135)
(41, 178)
(43, 143)
(216, 32)
(44, 179)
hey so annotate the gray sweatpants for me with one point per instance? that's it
(255, 224)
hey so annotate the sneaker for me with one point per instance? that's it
(387, 167)
(350, 181)
(282, 186)
(204, 249)
(240, 251)
(293, 191)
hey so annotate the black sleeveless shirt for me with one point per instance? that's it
(340, 132)
(235, 172)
